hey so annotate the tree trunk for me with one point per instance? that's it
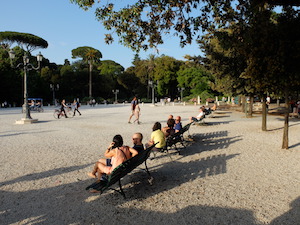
(243, 101)
(90, 80)
(285, 140)
(250, 112)
(264, 114)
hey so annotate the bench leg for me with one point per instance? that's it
(121, 189)
(150, 179)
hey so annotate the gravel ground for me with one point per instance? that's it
(230, 173)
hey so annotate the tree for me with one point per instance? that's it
(196, 81)
(165, 73)
(142, 24)
(28, 42)
(108, 76)
(90, 55)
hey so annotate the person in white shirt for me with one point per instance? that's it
(200, 116)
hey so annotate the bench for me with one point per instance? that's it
(122, 170)
(200, 121)
(173, 139)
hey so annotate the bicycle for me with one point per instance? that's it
(34, 108)
(58, 114)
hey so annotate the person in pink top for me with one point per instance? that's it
(116, 154)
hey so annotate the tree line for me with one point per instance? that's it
(90, 77)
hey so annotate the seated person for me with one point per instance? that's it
(137, 142)
(208, 110)
(200, 116)
(157, 136)
(169, 129)
(214, 107)
(118, 154)
(32, 104)
(178, 125)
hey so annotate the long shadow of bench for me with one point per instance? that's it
(175, 173)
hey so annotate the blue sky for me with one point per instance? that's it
(65, 26)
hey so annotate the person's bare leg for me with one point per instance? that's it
(130, 117)
(100, 170)
(94, 171)
(103, 161)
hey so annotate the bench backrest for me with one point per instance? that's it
(127, 166)
(185, 128)
(176, 137)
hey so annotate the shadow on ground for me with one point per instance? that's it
(70, 204)
(14, 133)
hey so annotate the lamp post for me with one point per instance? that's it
(181, 89)
(152, 85)
(26, 66)
(116, 95)
(54, 88)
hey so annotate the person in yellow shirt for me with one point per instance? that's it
(157, 136)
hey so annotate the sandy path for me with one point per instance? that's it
(233, 173)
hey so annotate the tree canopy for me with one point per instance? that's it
(28, 42)
(86, 53)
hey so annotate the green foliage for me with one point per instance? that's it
(165, 73)
(141, 24)
(27, 41)
(11, 80)
(111, 68)
(87, 53)
(196, 81)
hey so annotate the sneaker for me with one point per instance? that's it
(129, 122)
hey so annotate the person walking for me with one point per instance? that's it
(137, 113)
(133, 105)
(76, 106)
(62, 108)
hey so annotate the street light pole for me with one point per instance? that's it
(181, 89)
(152, 85)
(54, 88)
(116, 95)
(26, 66)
